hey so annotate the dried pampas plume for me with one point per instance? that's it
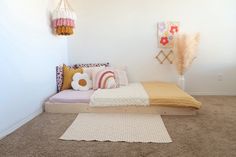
(185, 50)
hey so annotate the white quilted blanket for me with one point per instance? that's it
(133, 94)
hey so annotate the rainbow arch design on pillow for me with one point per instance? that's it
(105, 79)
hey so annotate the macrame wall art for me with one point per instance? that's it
(166, 34)
(63, 19)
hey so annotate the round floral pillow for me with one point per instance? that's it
(81, 82)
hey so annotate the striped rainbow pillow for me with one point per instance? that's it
(104, 79)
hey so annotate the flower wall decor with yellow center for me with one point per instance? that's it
(81, 82)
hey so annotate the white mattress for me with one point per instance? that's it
(132, 95)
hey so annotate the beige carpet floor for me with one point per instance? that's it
(210, 134)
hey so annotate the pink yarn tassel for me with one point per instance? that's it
(63, 22)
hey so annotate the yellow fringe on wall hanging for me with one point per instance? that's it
(64, 30)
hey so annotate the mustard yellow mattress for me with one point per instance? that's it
(168, 94)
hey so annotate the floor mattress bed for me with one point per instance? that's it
(147, 97)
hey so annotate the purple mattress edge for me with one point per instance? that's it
(72, 96)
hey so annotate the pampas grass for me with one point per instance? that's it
(185, 51)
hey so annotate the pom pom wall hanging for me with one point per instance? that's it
(63, 19)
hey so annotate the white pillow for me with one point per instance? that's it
(81, 82)
(89, 70)
(121, 77)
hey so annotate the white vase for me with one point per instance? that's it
(181, 82)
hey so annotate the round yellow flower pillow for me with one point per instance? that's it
(81, 82)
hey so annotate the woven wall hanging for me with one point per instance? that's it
(63, 19)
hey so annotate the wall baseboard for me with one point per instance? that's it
(20, 123)
(220, 93)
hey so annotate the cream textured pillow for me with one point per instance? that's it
(90, 70)
(121, 77)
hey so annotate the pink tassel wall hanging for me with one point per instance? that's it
(63, 19)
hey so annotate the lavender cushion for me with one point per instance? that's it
(72, 96)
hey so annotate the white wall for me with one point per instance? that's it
(124, 32)
(28, 56)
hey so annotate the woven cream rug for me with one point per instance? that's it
(117, 127)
